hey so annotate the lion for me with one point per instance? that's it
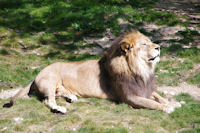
(125, 73)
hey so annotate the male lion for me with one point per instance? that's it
(125, 73)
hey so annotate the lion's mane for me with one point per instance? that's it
(120, 77)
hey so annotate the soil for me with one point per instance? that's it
(183, 87)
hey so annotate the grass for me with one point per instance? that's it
(177, 67)
(34, 34)
(171, 72)
(187, 36)
(97, 115)
(195, 79)
(44, 22)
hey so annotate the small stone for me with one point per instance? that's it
(3, 129)
(172, 93)
(18, 119)
(182, 102)
(34, 67)
(20, 41)
(165, 92)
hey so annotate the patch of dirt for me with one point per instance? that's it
(182, 7)
(164, 34)
(102, 43)
(188, 8)
(5, 84)
(192, 72)
(5, 94)
(183, 87)
(90, 50)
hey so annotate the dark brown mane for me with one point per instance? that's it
(120, 85)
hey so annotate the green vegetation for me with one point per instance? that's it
(170, 72)
(46, 22)
(195, 79)
(188, 35)
(98, 115)
(176, 68)
(34, 34)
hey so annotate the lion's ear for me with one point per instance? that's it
(125, 46)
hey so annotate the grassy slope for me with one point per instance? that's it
(46, 26)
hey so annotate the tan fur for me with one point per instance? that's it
(126, 61)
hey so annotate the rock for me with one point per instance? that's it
(151, 27)
(3, 129)
(109, 34)
(34, 67)
(18, 119)
(169, 33)
(90, 50)
(166, 31)
(183, 87)
(165, 92)
(190, 1)
(124, 24)
(172, 93)
(104, 42)
(182, 102)
(164, 71)
(163, 33)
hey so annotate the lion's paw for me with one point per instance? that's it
(168, 109)
(71, 97)
(60, 109)
(177, 104)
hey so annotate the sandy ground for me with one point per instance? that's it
(183, 87)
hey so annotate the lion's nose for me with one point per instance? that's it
(157, 48)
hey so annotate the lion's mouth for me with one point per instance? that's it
(152, 59)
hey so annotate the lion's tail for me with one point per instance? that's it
(22, 93)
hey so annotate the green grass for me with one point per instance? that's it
(188, 36)
(172, 72)
(91, 116)
(37, 23)
(195, 79)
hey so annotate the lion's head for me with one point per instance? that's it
(130, 63)
(133, 52)
(141, 54)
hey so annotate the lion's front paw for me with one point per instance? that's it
(177, 104)
(168, 108)
(72, 98)
(60, 109)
